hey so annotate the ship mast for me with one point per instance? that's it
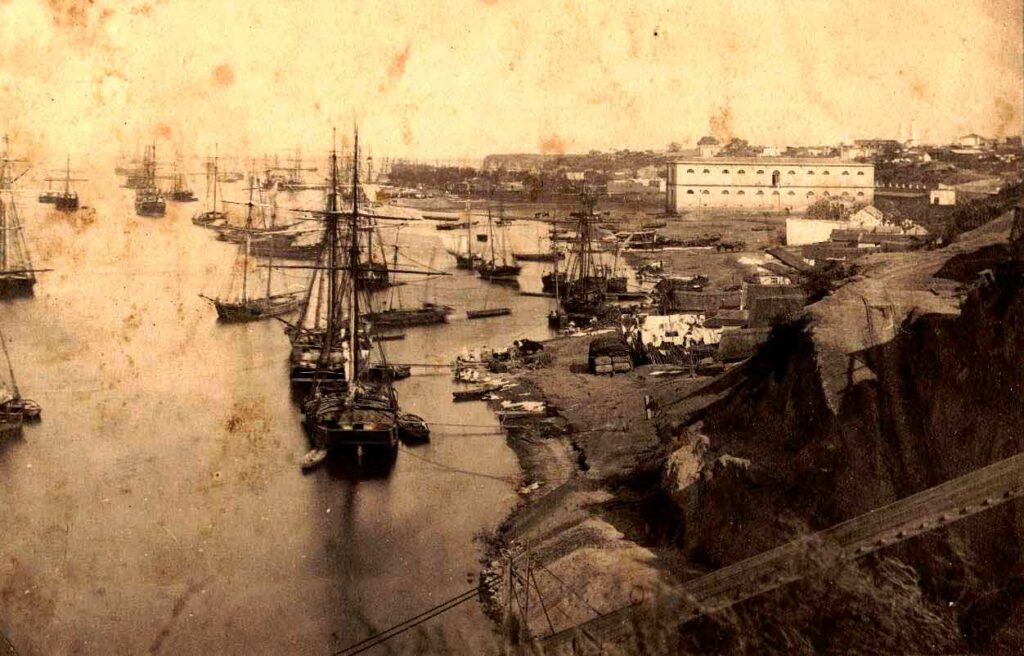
(353, 334)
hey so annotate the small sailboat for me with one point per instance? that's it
(15, 411)
(180, 191)
(400, 317)
(496, 267)
(211, 213)
(149, 200)
(465, 258)
(246, 307)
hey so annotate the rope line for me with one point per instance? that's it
(405, 625)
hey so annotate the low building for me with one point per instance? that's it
(971, 140)
(765, 183)
(943, 195)
(708, 146)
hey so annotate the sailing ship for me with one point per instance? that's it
(180, 192)
(245, 306)
(14, 410)
(65, 200)
(465, 258)
(490, 268)
(584, 286)
(293, 178)
(149, 200)
(400, 317)
(363, 411)
(211, 214)
(17, 275)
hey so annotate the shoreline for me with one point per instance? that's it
(588, 488)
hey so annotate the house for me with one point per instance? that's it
(943, 195)
(971, 140)
(708, 146)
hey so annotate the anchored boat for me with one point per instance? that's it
(149, 200)
(245, 306)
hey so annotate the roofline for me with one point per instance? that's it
(800, 161)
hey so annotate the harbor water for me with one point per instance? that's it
(159, 506)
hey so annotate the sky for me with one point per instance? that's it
(461, 79)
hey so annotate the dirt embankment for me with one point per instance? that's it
(891, 387)
(595, 524)
(894, 384)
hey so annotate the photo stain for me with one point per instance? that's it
(223, 75)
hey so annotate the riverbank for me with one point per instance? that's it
(592, 510)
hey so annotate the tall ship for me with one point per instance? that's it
(17, 275)
(498, 265)
(149, 200)
(360, 411)
(585, 267)
(180, 191)
(465, 258)
(65, 198)
(212, 213)
(585, 285)
(251, 296)
(15, 410)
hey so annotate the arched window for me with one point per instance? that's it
(775, 178)
(792, 193)
(760, 171)
(824, 172)
(689, 192)
(792, 172)
(760, 193)
(705, 192)
(775, 193)
(846, 194)
(860, 193)
(725, 170)
(846, 173)
(689, 170)
(810, 194)
(741, 193)
(741, 172)
(826, 194)
(705, 171)
(725, 192)
(810, 173)
(860, 172)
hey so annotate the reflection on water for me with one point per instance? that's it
(160, 504)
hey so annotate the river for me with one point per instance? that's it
(159, 506)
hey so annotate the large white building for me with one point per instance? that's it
(768, 183)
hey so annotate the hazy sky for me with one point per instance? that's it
(463, 79)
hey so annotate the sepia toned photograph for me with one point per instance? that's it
(511, 327)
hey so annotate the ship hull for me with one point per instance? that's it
(16, 285)
(255, 310)
(66, 203)
(12, 418)
(155, 208)
(403, 318)
(206, 218)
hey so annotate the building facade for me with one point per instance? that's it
(766, 183)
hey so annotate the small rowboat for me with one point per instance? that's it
(313, 458)
(412, 429)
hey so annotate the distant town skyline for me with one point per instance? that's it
(462, 81)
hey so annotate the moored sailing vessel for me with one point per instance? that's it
(149, 200)
(362, 412)
(244, 306)
(17, 275)
(15, 410)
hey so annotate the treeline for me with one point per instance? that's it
(976, 213)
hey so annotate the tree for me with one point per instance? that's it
(674, 147)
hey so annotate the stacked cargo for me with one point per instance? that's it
(609, 354)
